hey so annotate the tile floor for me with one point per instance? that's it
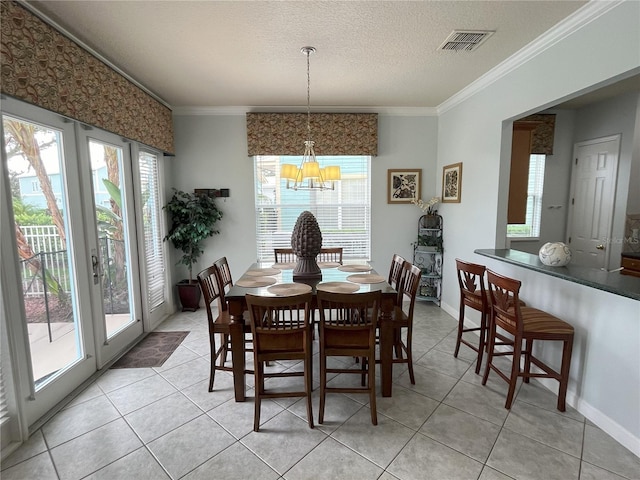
(161, 423)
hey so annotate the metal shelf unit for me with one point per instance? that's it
(427, 254)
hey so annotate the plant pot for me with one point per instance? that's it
(189, 294)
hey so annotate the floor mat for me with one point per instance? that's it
(152, 351)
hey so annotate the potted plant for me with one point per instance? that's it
(193, 219)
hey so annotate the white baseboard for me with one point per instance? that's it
(604, 422)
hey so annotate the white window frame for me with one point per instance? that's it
(335, 216)
(534, 203)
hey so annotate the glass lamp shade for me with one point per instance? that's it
(332, 172)
(310, 170)
(288, 171)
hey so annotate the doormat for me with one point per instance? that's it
(152, 351)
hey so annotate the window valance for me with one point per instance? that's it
(543, 134)
(333, 133)
(43, 67)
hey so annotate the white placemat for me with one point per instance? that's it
(366, 278)
(338, 287)
(262, 272)
(355, 268)
(288, 289)
(284, 265)
(328, 264)
(252, 282)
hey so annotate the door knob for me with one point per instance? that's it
(600, 247)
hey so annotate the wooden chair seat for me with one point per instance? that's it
(537, 322)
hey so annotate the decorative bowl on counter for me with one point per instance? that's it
(555, 254)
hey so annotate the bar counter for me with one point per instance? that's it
(612, 282)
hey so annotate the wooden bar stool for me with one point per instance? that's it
(473, 295)
(525, 324)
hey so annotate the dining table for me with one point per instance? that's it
(277, 279)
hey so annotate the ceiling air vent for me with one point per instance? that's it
(465, 40)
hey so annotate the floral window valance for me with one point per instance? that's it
(543, 134)
(43, 67)
(333, 133)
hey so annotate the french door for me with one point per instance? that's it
(73, 235)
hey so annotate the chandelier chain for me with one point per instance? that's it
(308, 98)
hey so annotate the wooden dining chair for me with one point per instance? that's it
(281, 331)
(213, 289)
(403, 316)
(347, 328)
(395, 272)
(285, 255)
(525, 325)
(333, 255)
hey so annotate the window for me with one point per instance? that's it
(344, 214)
(531, 228)
(152, 231)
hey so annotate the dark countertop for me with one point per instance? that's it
(613, 282)
(635, 255)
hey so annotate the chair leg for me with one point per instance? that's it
(491, 343)
(515, 370)
(410, 365)
(564, 373)
(528, 351)
(223, 355)
(323, 386)
(460, 327)
(308, 387)
(372, 391)
(481, 345)
(212, 375)
(259, 389)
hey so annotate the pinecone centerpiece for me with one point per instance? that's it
(306, 242)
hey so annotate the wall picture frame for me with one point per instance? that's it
(403, 185)
(452, 183)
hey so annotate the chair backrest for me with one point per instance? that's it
(395, 272)
(505, 304)
(284, 255)
(409, 283)
(211, 287)
(225, 272)
(472, 288)
(333, 254)
(348, 321)
(280, 325)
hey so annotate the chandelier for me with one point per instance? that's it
(309, 175)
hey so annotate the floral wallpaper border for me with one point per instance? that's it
(43, 67)
(333, 133)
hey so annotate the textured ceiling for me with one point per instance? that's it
(247, 53)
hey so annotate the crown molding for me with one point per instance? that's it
(581, 17)
(239, 110)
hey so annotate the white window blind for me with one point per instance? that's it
(531, 229)
(343, 214)
(151, 215)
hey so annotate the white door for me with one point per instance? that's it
(593, 182)
(110, 233)
(50, 301)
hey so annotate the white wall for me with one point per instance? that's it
(477, 132)
(211, 152)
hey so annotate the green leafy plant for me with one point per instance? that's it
(429, 241)
(193, 219)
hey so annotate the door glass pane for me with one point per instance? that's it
(36, 164)
(107, 178)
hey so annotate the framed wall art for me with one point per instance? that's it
(451, 183)
(403, 185)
